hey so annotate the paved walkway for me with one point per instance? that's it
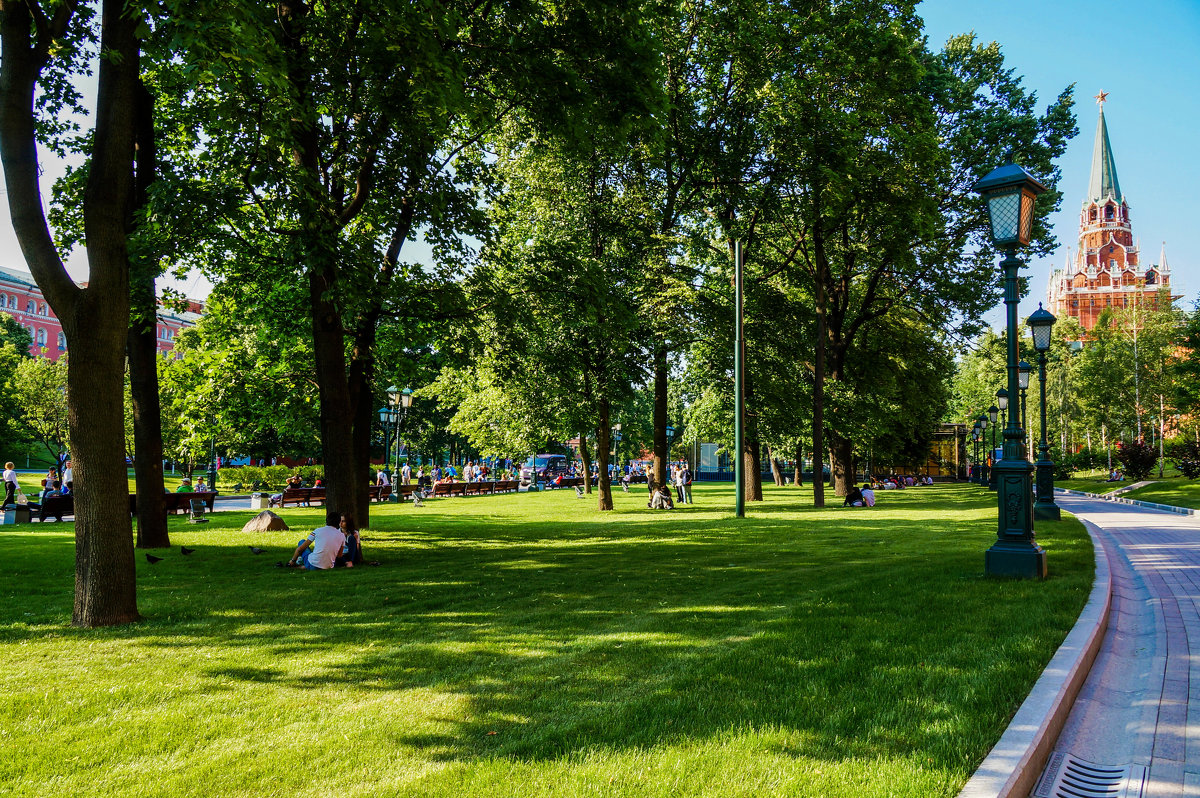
(1135, 707)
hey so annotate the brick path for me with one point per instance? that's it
(1135, 706)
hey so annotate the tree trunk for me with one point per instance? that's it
(602, 443)
(841, 463)
(587, 463)
(799, 480)
(661, 454)
(360, 382)
(147, 425)
(751, 459)
(337, 413)
(776, 474)
(142, 351)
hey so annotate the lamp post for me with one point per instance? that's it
(401, 399)
(1010, 192)
(1041, 321)
(739, 355)
(984, 476)
(1023, 371)
(387, 419)
(993, 413)
(975, 470)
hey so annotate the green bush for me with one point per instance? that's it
(1065, 464)
(1185, 454)
(1138, 459)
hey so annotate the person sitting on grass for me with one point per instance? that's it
(854, 497)
(352, 551)
(319, 551)
(661, 499)
(868, 495)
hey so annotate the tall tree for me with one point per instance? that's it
(95, 318)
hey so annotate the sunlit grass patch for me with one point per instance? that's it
(530, 645)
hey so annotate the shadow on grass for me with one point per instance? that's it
(866, 632)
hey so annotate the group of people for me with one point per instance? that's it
(52, 484)
(865, 496)
(660, 497)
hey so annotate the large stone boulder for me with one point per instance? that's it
(266, 521)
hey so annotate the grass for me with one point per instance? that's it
(1176, 491)
(528, 645)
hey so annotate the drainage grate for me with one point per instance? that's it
(1070, 777)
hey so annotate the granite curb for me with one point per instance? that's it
(1013, 767)
(1108, 497)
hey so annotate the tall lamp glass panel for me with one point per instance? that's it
(1002, 398)
(1040, 322)
(993, 412)
(406, 397)
(1010, 192)
(1023, 372)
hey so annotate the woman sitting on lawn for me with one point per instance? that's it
(352, 550)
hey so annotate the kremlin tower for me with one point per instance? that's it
(1106, 270)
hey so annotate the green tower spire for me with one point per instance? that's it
(1104, 183)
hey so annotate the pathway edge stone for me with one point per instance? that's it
(1013, 767)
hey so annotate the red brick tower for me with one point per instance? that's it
(1106, 270)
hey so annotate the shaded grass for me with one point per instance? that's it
(529, 645)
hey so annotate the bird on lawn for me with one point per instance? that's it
(150, 558)
(257, 550)
(185, 551)
(417, 501)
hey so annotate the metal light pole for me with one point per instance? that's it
(739, 466)
(975, 470)
(387, 420)
(404, 400)
(1010, 192)
(1041, 321)
(983, 423)
(1023, 372)
(993, 414)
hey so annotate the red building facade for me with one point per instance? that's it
(1106, 270)
(22, 299)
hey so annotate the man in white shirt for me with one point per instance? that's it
(382, 480)
(319, 551)
(405, 475)
(68, 478)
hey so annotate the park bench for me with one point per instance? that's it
(379, 493)
(55, 507)
(178, 502)
(450, 489)
(302, 496)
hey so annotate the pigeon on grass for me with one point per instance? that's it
(256, 550)
(150, 558)
(185, 551)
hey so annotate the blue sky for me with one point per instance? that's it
(1146, 55)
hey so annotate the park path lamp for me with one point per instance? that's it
(993, 414)
(401, 399)
(974, 476)
(387, 420)
(1023, 372)
(984, 423)
(1010, 192)
(1041, 321)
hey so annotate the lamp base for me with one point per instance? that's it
(1047, 512)
(1020, 560)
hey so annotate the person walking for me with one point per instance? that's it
(405, 475)
(10, 484)
(685, 478)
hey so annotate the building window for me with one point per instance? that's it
(1108, 212)
(29, 307)
(42, 309)
(62, 342)
(41, 338)
(12, 301)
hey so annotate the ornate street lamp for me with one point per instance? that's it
(1023, 372)
(1010, 192)
(984, 423)
(993, 413)
(1041, 321)
(401, 399)
(387, 420)
(975, 470)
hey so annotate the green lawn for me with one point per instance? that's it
(1178, 492)
(528, 645)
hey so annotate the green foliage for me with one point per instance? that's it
(1185, 455)
(39, 390)
(1137, 458)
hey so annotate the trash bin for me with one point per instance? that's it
(259, 501)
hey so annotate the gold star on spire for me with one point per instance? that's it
(1101, 97)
